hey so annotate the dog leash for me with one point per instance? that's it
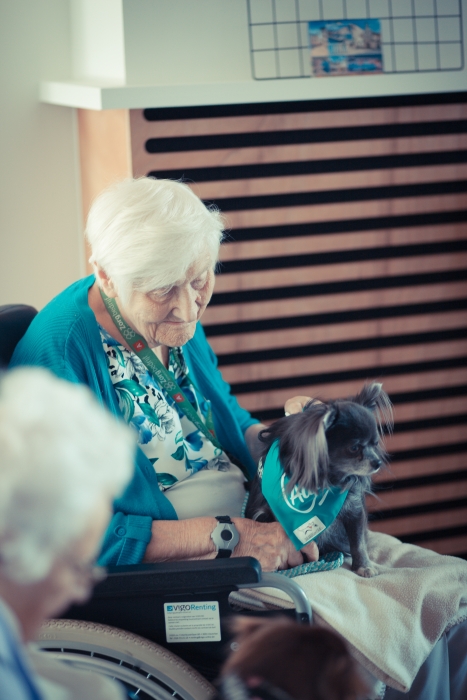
(328, 562)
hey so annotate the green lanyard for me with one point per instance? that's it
(157, 370)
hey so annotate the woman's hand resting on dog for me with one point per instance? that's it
(296, 404)
(269, 543)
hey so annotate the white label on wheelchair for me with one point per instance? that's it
(192, 622)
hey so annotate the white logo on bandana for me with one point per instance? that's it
(301, 496)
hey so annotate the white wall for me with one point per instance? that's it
(98, 49)
(41, 248)
(170, 42)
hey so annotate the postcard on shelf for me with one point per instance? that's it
(345, 47)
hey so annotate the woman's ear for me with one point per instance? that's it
(104, 281)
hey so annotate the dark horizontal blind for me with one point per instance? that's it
(345, 260)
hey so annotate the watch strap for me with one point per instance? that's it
(224, 554)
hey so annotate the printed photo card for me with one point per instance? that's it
(345, 47)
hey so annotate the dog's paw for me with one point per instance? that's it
(367, 571)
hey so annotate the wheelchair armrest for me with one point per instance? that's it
(169, 578)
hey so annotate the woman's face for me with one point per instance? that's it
(169, 316)
(70, 579)
(72, 576)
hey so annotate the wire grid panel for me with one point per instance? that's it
(417, 35)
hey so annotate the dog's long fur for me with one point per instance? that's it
(338, 443)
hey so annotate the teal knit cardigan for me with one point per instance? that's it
(64, 337)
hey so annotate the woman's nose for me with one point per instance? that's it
(185, 308)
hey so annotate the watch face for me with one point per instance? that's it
(225, 536)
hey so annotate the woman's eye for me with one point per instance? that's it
(159, 294)
(200, 282)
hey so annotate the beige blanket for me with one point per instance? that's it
(391, 621)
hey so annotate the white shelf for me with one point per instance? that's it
(105, 95)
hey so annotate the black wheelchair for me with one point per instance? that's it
(124, 631)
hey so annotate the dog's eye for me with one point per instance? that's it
(354, 449)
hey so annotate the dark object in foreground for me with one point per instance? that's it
(277, 659)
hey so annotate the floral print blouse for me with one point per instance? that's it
(172, 443)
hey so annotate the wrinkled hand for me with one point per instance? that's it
(269, 543)
(296, 404)
(311, 551)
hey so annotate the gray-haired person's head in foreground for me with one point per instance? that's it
(63, 460)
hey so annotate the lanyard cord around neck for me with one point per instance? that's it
(157, 370)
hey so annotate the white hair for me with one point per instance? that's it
(145, 233)
(61, 456)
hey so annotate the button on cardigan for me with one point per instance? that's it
(64, 338)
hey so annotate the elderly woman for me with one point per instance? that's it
(131, 333)
(62, 462)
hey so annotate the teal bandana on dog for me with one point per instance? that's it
(303, 514)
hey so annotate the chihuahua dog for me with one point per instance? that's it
(337, 445)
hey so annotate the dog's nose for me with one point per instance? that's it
(376, 463)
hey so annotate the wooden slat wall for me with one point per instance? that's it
(104, 154)
(345, 260)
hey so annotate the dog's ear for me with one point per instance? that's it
(331, 417)
(303, 448)
(374, 398)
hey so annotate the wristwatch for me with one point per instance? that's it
(225, 536)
